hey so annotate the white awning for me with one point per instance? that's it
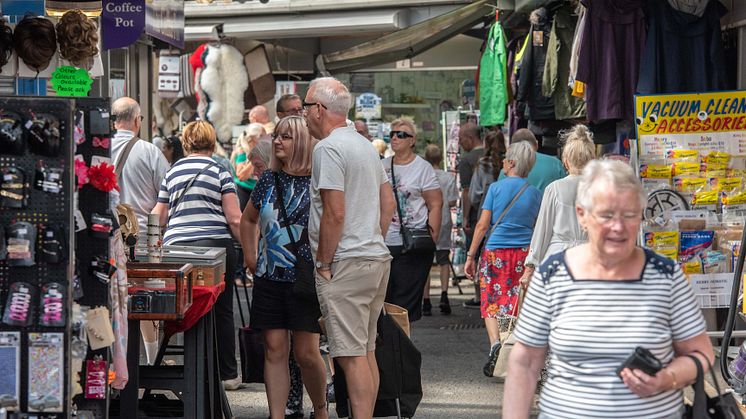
(299, 25)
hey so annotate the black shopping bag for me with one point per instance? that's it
(250, 344)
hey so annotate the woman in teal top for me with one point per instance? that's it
(244, 179)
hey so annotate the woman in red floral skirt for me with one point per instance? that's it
(509, 212)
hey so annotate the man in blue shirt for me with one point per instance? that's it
(547, 168)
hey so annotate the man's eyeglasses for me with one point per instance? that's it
(308, 105)
(401, 134)
(294, 111)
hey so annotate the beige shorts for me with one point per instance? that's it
(351, 303)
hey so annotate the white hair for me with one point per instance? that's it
(524, 157)
(618, 174)
(332, 93)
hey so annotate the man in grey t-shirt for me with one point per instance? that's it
(351, 207)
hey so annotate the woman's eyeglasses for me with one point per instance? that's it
(282, 137)
(607, 218)
(401, 134)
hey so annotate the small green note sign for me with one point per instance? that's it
(71, 81)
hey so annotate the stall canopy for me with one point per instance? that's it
(405, 43)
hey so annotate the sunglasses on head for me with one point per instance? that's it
(401, 134)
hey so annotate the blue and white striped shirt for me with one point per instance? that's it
(591, 326)
(200, 213)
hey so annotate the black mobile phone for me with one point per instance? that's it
(641, 359)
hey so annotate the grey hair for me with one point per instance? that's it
(333, 94)
(125, 110)
(524, 157)
(578, 148)
(262, 150)
(620, 175)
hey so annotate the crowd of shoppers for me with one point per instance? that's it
(320, 194)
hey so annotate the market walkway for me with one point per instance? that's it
(453, 352)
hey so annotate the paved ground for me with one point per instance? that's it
(453, 352)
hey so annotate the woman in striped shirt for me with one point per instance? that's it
(199, 207)
(593, 304)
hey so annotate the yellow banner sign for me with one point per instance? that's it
(695, 113)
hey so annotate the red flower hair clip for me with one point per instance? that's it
(103, 178)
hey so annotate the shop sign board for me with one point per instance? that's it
(285, 88)
(21, 7)
(70, 81)
(122, 22)
(695, 121)
(368, 106)
(164, 19)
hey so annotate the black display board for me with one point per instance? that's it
(42, 208)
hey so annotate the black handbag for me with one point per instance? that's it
(414, 240)
(722, 406)
(250, 344)
(305, 283)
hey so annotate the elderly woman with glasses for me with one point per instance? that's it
(419, 205)
(279, 207)
(510, 207)
(593, 304)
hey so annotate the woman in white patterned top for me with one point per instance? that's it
(593, 304)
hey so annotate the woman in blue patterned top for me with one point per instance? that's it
(272, 258)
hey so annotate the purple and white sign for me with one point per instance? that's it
(122, 22)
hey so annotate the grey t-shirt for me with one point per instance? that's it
(141, 176)
(346, 161)
(468, 164)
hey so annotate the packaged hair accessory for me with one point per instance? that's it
(46, 366)
(52, 305)
(19, 304)
(21, 244)
(10, 369)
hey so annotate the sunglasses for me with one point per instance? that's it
(401, 134)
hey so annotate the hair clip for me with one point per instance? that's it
(81, 172)
(103, 177)
(101, 142)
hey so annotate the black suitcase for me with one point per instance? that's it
(399, 363)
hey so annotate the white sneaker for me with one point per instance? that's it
(233, 384)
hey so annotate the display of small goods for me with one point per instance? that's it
(692, 164)
(35, 258)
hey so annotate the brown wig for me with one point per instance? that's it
(35, 42)
(78, 38)
(6, 43)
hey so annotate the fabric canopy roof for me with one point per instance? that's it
(405, 43)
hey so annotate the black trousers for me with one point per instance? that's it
(409, 272)
(223, 309)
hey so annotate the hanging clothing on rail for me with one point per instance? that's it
(557, 68)
(531, 72)
(609, 62)
(683, 52)
(493, 79)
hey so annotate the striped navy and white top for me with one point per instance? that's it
(592, 326)
(200, 213)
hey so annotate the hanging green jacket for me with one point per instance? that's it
(557, 68)
(493, 80)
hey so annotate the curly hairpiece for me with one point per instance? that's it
(78, 38)
(6, 43)
(35, 42)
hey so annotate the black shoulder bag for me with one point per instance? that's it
(722, 406)
(304, 286)
(414, 240)
(189, 185)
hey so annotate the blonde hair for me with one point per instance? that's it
(302, 145)
(433, 155)
(199, 136)
(380, 145)
(578, 147)
(247, 140)
(405, 121)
